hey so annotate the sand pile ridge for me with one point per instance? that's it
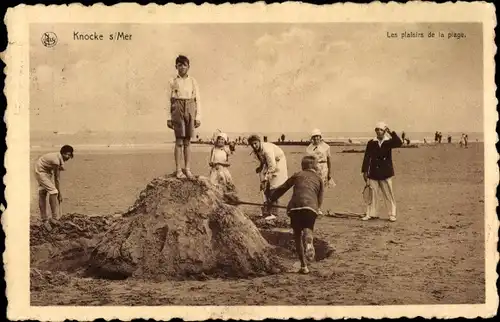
(181, 229)
(70, 226)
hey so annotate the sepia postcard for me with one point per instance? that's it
(251, 161)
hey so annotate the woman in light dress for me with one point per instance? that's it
(272, 170)
(321, 150)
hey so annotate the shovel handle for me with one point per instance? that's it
(330, 214)
(60, 209)
(257, 204)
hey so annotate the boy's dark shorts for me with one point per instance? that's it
(302, 218)
(183, 117)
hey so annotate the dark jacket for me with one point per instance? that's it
(377, 162)
(307, 191)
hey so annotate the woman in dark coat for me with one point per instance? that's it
(378, 169)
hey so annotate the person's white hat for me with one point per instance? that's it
(222, 135)
(381, 125)
(315, 132)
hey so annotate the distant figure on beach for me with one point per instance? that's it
(449, 138)
(219, 163)
(466, 140)
(403, 136)
(282, 137)
(321, 151)
(462, 140)
(272, 169)
(232, 147)
(48, 169)
(378, 169)
(438, 137)
(265, 138)
(184, 114)
(425, 141)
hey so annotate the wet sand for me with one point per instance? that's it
(433, 254)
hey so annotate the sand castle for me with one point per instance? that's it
(176, 229)
(183, 228)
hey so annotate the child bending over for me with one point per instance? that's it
(48, 169)
(303, 207)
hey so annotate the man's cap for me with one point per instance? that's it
(381, 125)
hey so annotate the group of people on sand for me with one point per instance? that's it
(438, 136)
(309, 183)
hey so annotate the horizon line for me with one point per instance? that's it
(257, 131)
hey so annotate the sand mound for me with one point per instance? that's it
(70, 226)
(41, 279)
(181, 229)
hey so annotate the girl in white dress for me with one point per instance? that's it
(219, 163)
(321, 151)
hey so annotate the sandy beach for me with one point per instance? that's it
(434, 252)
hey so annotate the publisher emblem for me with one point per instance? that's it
(49, 39)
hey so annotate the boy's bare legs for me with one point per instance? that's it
(297, 235)
(178, 157)
(42, 203)
(54, 206)
(187, 157)
(308, 243)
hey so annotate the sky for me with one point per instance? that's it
(339, 77)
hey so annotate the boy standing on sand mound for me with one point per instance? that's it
(47, 173)
(304, 207)
(184, 114)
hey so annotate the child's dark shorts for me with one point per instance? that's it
(302, 218)
(183, 117)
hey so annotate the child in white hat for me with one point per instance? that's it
(219, 163)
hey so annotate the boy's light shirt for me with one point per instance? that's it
(50, 162)
(184, 88)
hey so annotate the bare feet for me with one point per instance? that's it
(304, 270)
(179, 174)
(46, 224)
(188, 173)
